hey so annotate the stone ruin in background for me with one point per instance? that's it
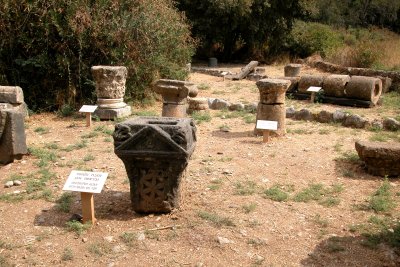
(155, 152)
(110, 90)
(12, 128)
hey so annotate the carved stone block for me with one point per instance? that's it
(12, 136)
(155, 152)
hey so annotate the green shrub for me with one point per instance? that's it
(309, 37)
(48, 47)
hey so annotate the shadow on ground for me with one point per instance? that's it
(350, 251)
(109, 205)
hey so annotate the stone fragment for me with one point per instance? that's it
(324, 117)
(364, 88)
(11, 94)
(252, 107)
(377, 125)
(380, 158)
(12, 136)
(391, 124)
(292, 70)
(310, 80)
(155, 152)
(110, 91)
(290, 111)
(140, 236)
(17, 182)
(339, 116)
(109, 239)
(304, 115)
(220, 104)
(223, 241)
(8, 184)
(196, 104)
(236, 107)
(334, 85)
(355, 121)
(272, 113)
(294, 84)
(245, 71)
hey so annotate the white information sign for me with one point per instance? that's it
(267, 125)
(82, 181)
(314, 89)
(88, 108)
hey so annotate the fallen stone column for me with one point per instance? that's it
(245, 71)
(310, 80)
(364, 88)
(334, 85)
(155, 152)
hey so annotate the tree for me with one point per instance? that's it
(230, 29)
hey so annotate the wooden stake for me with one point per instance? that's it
(312, 97)
(88, 119)
(88, 207)
(265, 136)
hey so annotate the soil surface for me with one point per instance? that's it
(225, 217)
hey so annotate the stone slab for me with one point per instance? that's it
(11, 94)
(12, 136)
(111, 114)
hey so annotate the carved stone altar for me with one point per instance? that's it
(110, 90)
(155, 152)
(175, 93)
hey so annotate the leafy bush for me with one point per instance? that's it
(308, 38)
(48, 47)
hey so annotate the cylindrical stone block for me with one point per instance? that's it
(272, 91)
(334, 85)
(212, 62)
(272, 113)
(292, 70)
(364, 88)
(198, 103)
(174, 110)
(310, 80)
(110, 81)
(294, 83)
(111, 103)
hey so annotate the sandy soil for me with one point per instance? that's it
(224, 219)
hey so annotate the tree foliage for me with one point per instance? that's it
(48, 47)
(229, 28)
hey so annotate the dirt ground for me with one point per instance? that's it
(225, 218)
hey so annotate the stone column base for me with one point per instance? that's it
(272, 113)
(112, 113)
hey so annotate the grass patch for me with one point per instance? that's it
(90, 135)
(45, 156)
(385, 136)
(216, 219)
(318, 220)
(99, 249)
(42, 130)
(88, 157)
(249, 118)
(67, 255)
(200, 117)
(391, 100)
(203, 86)
(52, 145)
(215, 184)
(145, 113)
(249, 207)
(130, 239)
(64, 203)
(246, 188)
(78, 145)
(77, 227)
(275, 193)
(326, 197)
(382, 200)
(349, 156)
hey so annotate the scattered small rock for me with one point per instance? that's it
(303, 114)
(223, 241)
(141, 236)
(290, 111)
(17, 192)
(391, 124)
(17, 182)
(8, 184)
(339, 116)
(84, 240)
(109, 239)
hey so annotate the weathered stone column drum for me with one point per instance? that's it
(292, 70)
(272, 103)
(110, 90)
(174, 94)
(155, 152)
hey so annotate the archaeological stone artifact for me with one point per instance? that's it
(155, 152)
(292, 70)
(174, 94)
(272, 103)
(110, 90)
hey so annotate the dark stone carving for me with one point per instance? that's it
(155, 152)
